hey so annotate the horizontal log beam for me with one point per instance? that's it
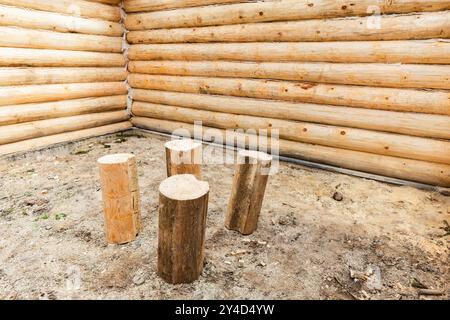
(36, 39)
(425, 125)
(418, 51)
(43, 142)
(19, 57)
(400, 75)
(408, 100)
(285, 10)
(55, 92)
(407, 169)
(338, 137)
(41, 111)
(36, 129)
(404, 27)
(28, 76)
(145, 5)
(19, 17)
(78, 8)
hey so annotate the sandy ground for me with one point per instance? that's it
(379, 242)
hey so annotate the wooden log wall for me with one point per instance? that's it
(363, 85)
(62, 72)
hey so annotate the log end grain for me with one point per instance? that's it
(182, 145)
(116, 158)
(183, 187)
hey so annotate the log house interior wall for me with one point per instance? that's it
(362, 85)
(356, 84)
(62, 72)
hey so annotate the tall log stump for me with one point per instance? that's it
(183, 157)
(183, 205)
(247, 194)
(121, 198)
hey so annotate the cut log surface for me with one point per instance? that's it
(247, 193)
(121, 199)
(183, 157)
(183, 205)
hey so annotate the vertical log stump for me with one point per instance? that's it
(183, 157)
(247, 194)
(121, 199)
(183, 204)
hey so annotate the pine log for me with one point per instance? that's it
(409, 100)
(400, 75)
(145, 5)
(36, 129)
(43, 142)
(78, 8)
(247, 193)
(121, 198)
(404, 27)
(285, 10)
(29, 76)
(183, 157)
(17, 57)
(18, 17)
(66, 108)
(410, 51)
(425, 125)
(55, 92)
(407, 169)
(339, 137)
(36, 39)
(183, 206)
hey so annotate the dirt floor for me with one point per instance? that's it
(379, 242)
